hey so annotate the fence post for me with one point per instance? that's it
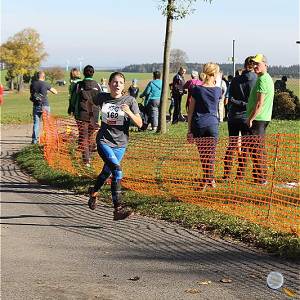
(273, 173)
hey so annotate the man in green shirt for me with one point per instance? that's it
(259, 113)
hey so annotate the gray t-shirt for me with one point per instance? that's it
(114, 130)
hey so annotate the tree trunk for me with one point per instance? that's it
(20, 83)
(162, 126)
(11, 84)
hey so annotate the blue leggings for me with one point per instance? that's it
(112, 159)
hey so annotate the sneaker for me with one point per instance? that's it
(212, 184)
(92, 203)
(122, 212)
(206, 185)
(225, 178)
(261, 181)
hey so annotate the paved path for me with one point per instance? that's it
(54, 247)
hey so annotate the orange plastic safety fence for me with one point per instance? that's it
(255, 178)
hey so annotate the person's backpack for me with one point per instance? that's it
(85, 90)
(37, 98)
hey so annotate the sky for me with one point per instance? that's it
(116, 33)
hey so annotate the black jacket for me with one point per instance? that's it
(239, 92)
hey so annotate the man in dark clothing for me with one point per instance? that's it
(239, 92)
(133, 90)
(38, 95)
(280, 85)
(177, 93)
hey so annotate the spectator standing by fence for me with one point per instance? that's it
(133, 90)
(280, 85)
(153, 93)
(189, 85)
(103, 85)
(117, 110)
(38, 95)
(74, 78)
(177, 93)
(84, 91)
(203, 121)
(1, 94)
(238, 94)
(228, 82)
(221, 110)
(259, 113)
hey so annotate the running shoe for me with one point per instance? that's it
(122, 212)
(92, 203)
(207, 185)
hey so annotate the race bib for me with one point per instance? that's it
(112, 114)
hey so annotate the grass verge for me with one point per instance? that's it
(188, 215)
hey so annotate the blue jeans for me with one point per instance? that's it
(153, 108)
(112, 158)
(236, 126)
(37, 115)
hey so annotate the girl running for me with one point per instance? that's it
(116, 110)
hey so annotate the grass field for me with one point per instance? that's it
(17, 107)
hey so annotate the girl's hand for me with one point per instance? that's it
(126, 108)
(190, 138)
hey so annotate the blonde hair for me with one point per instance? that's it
(209, 70)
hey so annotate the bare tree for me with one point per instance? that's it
(178, 58)
(173, 10)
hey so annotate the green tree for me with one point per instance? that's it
(172, 10)
(22, 54)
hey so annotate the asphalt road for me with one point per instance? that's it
(54, 247)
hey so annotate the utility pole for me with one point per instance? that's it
(233, 58)
(67, 65)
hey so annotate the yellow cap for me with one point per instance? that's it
(258, 58)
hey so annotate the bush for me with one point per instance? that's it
(286, 106)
